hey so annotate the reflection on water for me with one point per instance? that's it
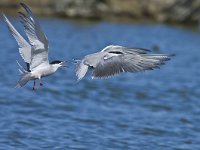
(152, 110)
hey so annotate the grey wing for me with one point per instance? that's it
(24, 46)
(120, 49)
(128, 63)
(81, 69)
(36, 37)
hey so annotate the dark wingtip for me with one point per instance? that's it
(144, 49)
(148, 50)
(22, 4)
(26, 8)
(21, 14)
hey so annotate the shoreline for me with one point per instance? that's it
(171, 12)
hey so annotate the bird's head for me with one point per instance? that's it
(57, 64)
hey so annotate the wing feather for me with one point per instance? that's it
(36, 37)
(122, 49)
(128, 63)
(24, 46)
(81, 70)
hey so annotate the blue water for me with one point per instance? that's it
(155, 110)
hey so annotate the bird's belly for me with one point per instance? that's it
(42, 73)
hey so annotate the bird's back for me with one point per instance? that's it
(93, 59)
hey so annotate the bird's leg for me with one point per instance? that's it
(41, 84)
(34, 86)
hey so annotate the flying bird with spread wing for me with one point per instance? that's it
(116, 59)
(34, 52)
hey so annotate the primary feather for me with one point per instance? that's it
(24, 46)
(37, 38)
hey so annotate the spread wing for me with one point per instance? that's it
(81, 69)
(36, 37)
(24, 46)
(127, 60)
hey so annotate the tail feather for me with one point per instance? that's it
(20, 72)
(21, 69)
(24, 76)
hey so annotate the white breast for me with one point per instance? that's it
(42, 71)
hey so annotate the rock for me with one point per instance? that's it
(79, 8)
(155, 10)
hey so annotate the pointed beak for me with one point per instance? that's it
(63, 64)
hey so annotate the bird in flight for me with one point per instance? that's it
(34, 52)
(116, 59)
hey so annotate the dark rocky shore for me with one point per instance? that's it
(178, 11)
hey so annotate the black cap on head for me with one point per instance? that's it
(55, 62)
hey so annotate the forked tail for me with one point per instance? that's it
(25, 76)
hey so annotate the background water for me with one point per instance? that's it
(154, 110)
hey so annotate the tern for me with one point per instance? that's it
(115, 59)
(34, 52)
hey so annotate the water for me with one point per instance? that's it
(153, 110)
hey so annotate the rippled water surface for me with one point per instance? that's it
(155, 110)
